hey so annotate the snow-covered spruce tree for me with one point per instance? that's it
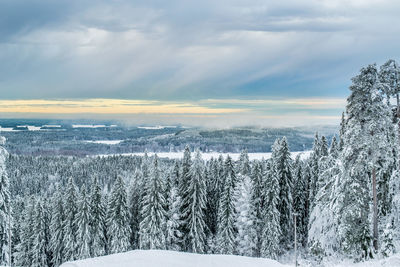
(323, 148)
(5, 212)
(246, 237)
(24, 253)
(152, 226)
(258, 201)
(271, 231)
(17, 209)
(300, 200)
(194, 213)
(97, 221)
(173, 233)
(342, 131)
(57, 229)
(118, 228)
(213, 182)
(322, 233)
(314, 168)
(334, 149)
(282, 165)
(364, 153)
(83, 221)
(227, 213)
(244, 163)
(70, 227)
(40, 238)
(136, 194)
(184, 179)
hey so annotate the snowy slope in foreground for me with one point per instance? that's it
(393, 261)
(159, 258)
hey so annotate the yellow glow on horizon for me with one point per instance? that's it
(108, 106)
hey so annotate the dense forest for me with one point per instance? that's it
(35, 137)
(345, 195)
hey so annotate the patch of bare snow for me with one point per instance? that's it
(162, 258)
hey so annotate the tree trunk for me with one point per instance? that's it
(375, 215)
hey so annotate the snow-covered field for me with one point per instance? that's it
(92, 126)
(209, 155)
(159, 258)
(158, 127)
(106, 142)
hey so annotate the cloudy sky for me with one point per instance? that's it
(209, 62)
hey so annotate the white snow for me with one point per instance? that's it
(209, 155)
(105, 142)
(52, 126)
(30, 127)
(6, 129)
(392, 261)
(159, 127)
(160, 258)
(91, 126)
(163, 258)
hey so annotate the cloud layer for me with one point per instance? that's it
(190, 49)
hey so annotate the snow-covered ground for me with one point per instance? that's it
(158, 127)
(209, 155)
(92, 126)
(160, 258)
(106, 142)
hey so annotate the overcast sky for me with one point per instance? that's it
(251, 61)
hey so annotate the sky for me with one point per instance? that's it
(210, 62)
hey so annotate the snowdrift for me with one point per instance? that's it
(160, 258)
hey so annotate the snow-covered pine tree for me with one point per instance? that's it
(246, 237)
(271, 217)
(282, 165)
(97, 221)
(56, 245)
(119, 231)
(5, 205)
(389, 77)
(365, 151)
(393, 221)
(194, 213)
(70, 227)
(226, 212)
(152, 226)
(83, 221)
(40, 238)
